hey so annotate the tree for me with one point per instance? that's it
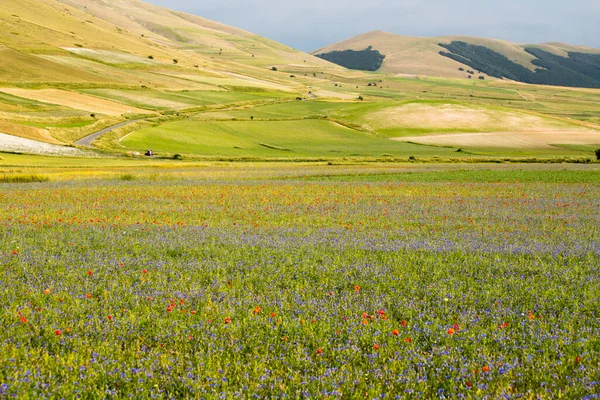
(151, 57)
(274, 69)
(175, 61)
(598, 154)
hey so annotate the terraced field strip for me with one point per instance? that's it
(508, 140)
(76, 100)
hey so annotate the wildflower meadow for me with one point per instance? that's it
(337, 287)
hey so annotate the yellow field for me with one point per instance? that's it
(27, 132)
(458, 117)
(75, 100)
(508, 140)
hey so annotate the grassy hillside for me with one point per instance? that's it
(71, 68)
(421, 56)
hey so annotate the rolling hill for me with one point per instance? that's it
(55, 40)
(468, 57)
(127, 76)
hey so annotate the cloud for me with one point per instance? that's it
(311, 24)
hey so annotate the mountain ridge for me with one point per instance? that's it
(418, 55)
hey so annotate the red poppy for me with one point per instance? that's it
(381, 312)
(145, 271)
(485, 369)
(356, 288)
(319, 351)
(403, 323)
(408, 340)
(227, 320)
(110, 317)
(15, 252)
(273, 315)
(376, 346)
(456, 327)
(23, 319)
(451, 331)
(256, 310)
(395, 332)
(57, 332)
(89, 272)
(88, 296)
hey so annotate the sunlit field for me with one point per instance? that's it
(429, 284)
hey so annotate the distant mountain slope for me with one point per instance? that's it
(551, 63)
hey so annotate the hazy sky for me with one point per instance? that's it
(311, 24)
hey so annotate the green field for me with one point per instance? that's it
(298, 138)
(163, 101)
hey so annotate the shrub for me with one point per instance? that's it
(177, 157)
(151, 57)
(127, 177)
(598, 154)
(175, 61)
(274, 69)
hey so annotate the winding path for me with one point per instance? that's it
(88, 140)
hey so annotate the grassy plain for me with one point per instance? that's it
(229, 279)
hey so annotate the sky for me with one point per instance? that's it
(311, 24)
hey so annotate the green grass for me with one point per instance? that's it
(166, 100)
(301, 138)
(67, 125)
(478, 175)
(23, 178)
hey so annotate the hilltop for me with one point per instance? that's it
(48, 41)
(470, 57)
